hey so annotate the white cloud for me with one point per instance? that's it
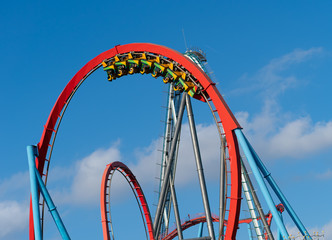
(294, 139)
(209, 144)
(271, 80)
(145, 167)
(86, 185)
(315, 232)
(13, 218)
(300, 137)
(87, 175)
(327, 230)
(273, 132)
(186, 167)
(17, 183)
(14, 213)
(325, 175)
(270, 74)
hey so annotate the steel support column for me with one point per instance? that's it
(173, 199)
(164, 189)
(166, 148)
(200, 230)
(222, 195)
(199, 168)
(167, 134)
(38, 183)
(279, 233)
(176, 209)
(32, 153)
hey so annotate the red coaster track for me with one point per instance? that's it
(105, 193)
(228, 121)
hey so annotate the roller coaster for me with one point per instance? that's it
(188, 80)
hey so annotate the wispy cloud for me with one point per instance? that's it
(13, 218)
(273, 79)
(325, 230)
(14, 212)
(272, 131)
(325, 175)
(209, 144)
(295, 139)
(84, 187)
(300, 137)
(319, 232)
(16, 184)
(186, 167)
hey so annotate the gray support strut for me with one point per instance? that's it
(222, 195)
(173, 177)
(167, 138)
(167, 142)
(176, 209)
(199, 168)
(165, 186)
(175, 204)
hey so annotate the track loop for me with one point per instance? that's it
(105, 203)
(175, 68)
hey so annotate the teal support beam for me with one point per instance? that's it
(32, 153)
(52, 208)
(36, 181)
(200, 230)
(280, 195)
(267, 196)
(279, 233)
(249, 232)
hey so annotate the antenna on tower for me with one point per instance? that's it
(184, 39)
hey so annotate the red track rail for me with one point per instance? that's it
(227, 118)
(103, 197)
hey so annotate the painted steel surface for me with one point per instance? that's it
(31, 151)
(199, 167)
(119, 166)
(51, 207)
(38, 184)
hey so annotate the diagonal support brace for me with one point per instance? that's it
(37, 182)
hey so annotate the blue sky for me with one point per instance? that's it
(272, 64)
